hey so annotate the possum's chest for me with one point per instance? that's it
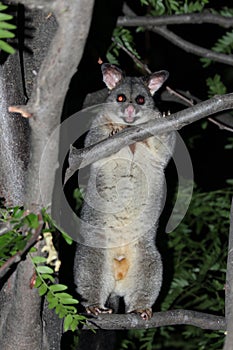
(126, 173)
(123, 192)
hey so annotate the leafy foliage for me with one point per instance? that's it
(168, 7)
(5, 30)
(223, 45)
(216, 86)
(198, 248)
(124, 38)
(62, 302)
(21, 227)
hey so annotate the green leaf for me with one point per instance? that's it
(17, 213)
(58, 287)
(43, 289)
(44, 269)
(5, 17)
(52, 303)
(6, 34)
(229, 181)
(33, 250)
(62, 296)
(32, 220)
(5, 25)
(67, 322)
(38, 259)
(3, 7)
(6, 47)
(66, 237)
(68, 301)
(74, 324)
(215, 85)
(38, 282)
(59, 308)
(48, 277)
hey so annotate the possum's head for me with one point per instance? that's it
(130, 99)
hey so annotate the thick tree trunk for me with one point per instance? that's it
(24, 322)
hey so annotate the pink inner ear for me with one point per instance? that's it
(155, 83)
(111, 78)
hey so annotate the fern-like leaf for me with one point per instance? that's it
(5, 30)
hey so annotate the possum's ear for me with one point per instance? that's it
(112, 75)
(156, 80)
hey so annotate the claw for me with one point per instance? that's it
(96, 310)
(145, 314)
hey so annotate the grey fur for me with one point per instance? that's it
(123, 202)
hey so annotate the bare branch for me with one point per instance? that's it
(134, 58)
(185, 100)
(21, 110)
(192, 48)
(229, 288)
(192, 18)
(166, 318)
(220, 125)
(81, 158)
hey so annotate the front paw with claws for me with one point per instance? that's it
(145, 314)
(96, 310)
(114, 131)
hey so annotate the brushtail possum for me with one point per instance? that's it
(123, 201)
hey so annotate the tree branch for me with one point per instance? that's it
(192, 18)
(81, 158)
(165, 318)
(229, 287)
(192, 48)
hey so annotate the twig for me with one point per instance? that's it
(134, 58)
(21, 110)
(166, 318)
(192, 48)
(145, 68)
(179, 96)
(81, 158)
(192, 18)
(17, 257)
(220, 125)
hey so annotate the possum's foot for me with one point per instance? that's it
(145, 314)
(96, 310)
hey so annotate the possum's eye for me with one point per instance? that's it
(140, 100)
(121, 98)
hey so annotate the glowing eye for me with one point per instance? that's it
(121, 98)
(140, 100)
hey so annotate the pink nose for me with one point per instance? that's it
(130, 110)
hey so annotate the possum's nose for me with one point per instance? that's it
(130, 110)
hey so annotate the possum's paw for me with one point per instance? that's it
(145, 314)
(96, 310)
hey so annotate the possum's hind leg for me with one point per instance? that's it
(146, 280)
(94, 283)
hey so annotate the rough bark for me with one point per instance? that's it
(166, 318)
(21, 324)
(229, 288)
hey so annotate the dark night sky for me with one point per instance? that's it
(211, 162)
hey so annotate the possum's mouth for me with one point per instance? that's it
(130, 119)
